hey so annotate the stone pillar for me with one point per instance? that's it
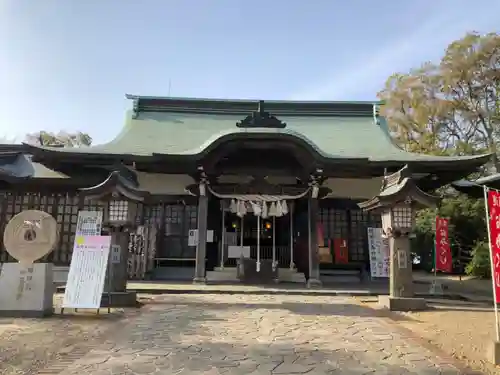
(401, 293)
(115, 292)
(313, 211)
(400, 277)
(201, 247)
(117, 274)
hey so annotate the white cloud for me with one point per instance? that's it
(423, 44)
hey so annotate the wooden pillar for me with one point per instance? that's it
(313, 210)
(201, 246)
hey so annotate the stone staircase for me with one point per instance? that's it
(226, 274)
(287, 275)
(339, 276)
(230, 274)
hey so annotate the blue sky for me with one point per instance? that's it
(67, 64)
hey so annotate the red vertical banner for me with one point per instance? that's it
(341, 251)
(443, 258)
(494, 226)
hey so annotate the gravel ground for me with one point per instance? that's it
(28, 346)
(463, 330)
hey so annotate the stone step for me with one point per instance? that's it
(173, 273)
(341, 278)
(291, 276)
(231, 274)
(226, 274)
(335, 276)
(340, 272)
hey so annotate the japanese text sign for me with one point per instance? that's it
(494, 226)
(442, 247)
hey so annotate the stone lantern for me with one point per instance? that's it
(397, 203)
(120, 198)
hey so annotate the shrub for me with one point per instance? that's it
(480, 264)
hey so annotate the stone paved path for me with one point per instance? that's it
(244, 334)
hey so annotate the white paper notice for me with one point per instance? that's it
(193, 237)
(89, 223)
(210, 236)
(234, 252)
(378, 249)
(87, 272)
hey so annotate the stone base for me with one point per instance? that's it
(26, 313)
(199, 280)
(119, 299)
(436, 289)
(494, 353)
(26, 292)
(402, 303)
(226, 274)
(314, 283)
(288, 275)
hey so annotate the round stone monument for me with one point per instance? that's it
(26, 287)
(30, 235)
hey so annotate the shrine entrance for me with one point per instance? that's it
(262, 237)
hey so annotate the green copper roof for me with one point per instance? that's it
(188, 126)
(20, 167)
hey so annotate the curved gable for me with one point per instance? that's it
(190, 127)
(191, 134)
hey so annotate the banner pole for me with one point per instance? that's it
(486, 210)
(436, 288)
(435, 256)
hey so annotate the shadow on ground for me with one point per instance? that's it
(186, 335)
(165, 340)
(314, 309)
(29, 344)
(447, 305)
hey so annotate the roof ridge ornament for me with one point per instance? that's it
(135, 108)
(261, 119)
(395, 178)
(376, 113)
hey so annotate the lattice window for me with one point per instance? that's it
(118, 210)
(334, 222)
(90, 205)
(151, 215)
(67, 218)
(360, 221)
(178, 220)
(359, 224)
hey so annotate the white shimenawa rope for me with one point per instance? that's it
(30, 235)
(259, 197)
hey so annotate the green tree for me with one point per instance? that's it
(62, 139)
(450, 108)
(466, 227)
(480, 264)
